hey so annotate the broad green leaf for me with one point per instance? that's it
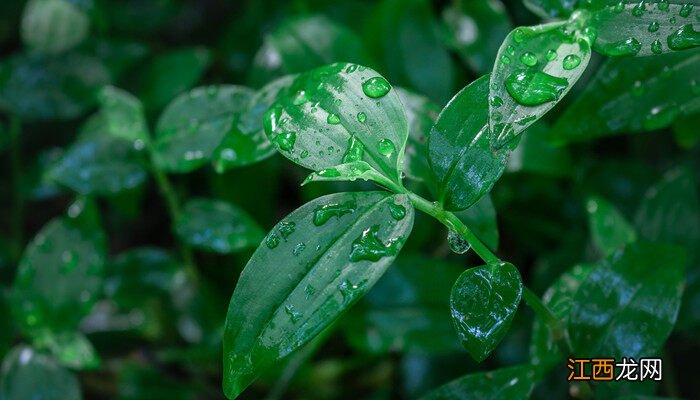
(464, 165)
(421, 114)
(407, 310)
(217, 226)
(28, 374)
(102, 166)
(123, 116)
(685, 132)
(513, 383)
(628, 303)
(301, 44)
(551, 8)
(41, 87)
(480, 217)
(333, 249)
(53, 26)
(338, 114)
(483, 302)
(609, 229)
(559, 298)
(170, 74)
(195, 123)
(60, 274)
(645, 28)
(633, 95)
(476, 29)
(403, 36)
(140, 272)
(536, 67)
(70, 349)
(247, 143)
(536, 155)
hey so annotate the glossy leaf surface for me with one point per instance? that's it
(28, 374)
(535, 68)
(334, 249)
(633, 95)
(628, 303)
(463, 163)
(217, 226)
(338, 114)
(609, 229)
(53, 26)
(484, 301)
(511, 383)
(124, 116)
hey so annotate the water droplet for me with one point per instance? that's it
(619, 7)
(376, 87)
(510, 50)
(532, 88)
(286, 141)
(397, 211)
(639, 9)
(355, 150)
(663, 5)
(686, 10)
(496, 101)
(304, 154)
(294, 316)
(327, 211)
(351, 291)
(309, 291)
(300, 98)
(286, 228)
(653, 27)
(661, 116)
(627, 47)
(657, 47)
(385, 147)
(333, 119)
(329, 173)
(362, 117)
(272, 241)
(518, 35)
(551, 55)
(528, 59)
(369, 247)
(505, 59)
(299, 248)
(457, 243)
(684, 38)
(351, 68)
(571, 61)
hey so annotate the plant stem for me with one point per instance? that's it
(542, 311)
(17, 219)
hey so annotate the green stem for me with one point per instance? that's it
(17, 219)
(553, 323)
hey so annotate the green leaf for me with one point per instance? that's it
(300, 44)
(484, 301)
(633, 95)
(535, 154)
(217, 226)
(464, 165)
(481, 219)
(247, 143)
(536, 67)
(645, 28)
(53, 26)
(685, 132)
(559, 298)
(407, 310)
(334, 249)
(549, 9)
(513, 383)
(338, 114)
(39, 87)
(195, 123)
(628, 303)
(421, 114)
(102, 166)
(170, 74)
(60, 274)
(476, 29)
(609, 229)
(28, 374)
(138, 273)
(70, 349)
(123, 116)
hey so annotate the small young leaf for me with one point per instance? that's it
(464, 165)
(217, 226)
(609, 229)
(484, 301)
(535, 68)
(513, 383)
(549, 9)
(633, 95)
(53, 26)
(476, 30)
(28, 374)
(123, 116)
(334, 249)
(101, 166)
(645, 28)
(627, 305)
(421, 114)
(338, 114)
(71, 349)
(195, 123)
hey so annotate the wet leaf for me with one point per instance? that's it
(511, 383)
(53, 26)
(628, 303)
(70, 349)
(535, 68)
(484, 301)
(123, 116)
(609, 229)
(218, 226)
(28, 374)
(465, 167)
(338, 114)
(334, 250)
(633, 95)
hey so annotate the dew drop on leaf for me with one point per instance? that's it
(355, 150)
(663, 5)
(528, 59)
(684, 38)
(657, 47)
(532, 88)
(286, 141)
(272, 241)
(327, 211)
(369, 247)
(376, 87)
(457, 243)
(653, 27)
(505, 59)
(299, 248)
(362, 117)
(286, 229)
(385, 147)
(626, 47)
(639, 9)
(294, 316)
(686, 10)
(397, 211)
(571, 61)
(333, 119)
(551, 55)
